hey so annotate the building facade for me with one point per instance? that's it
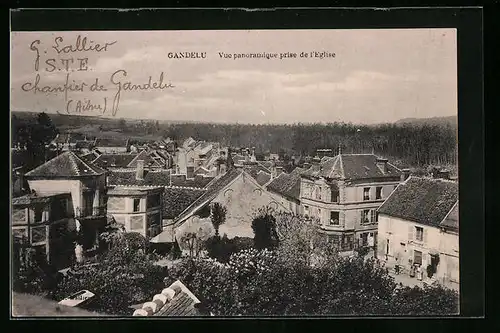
(418, 226)
(85, 183)
(343, 194)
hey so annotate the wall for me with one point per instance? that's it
(242, 199)
(400, 232)
(56, 186)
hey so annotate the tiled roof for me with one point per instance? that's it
(90, 157)
(131, 191)
(287, 185)
(151, 159)
(212, 190)
(262, 178)
(114, 160)
(80, 144)
(422, 200)
(30, 199)
(198, 181)
(177, 199)
(66, 164)
(451, 221)
(128, 177)
(175, 301)
(111, 142)
(351, 166)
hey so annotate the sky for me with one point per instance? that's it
(376, 76)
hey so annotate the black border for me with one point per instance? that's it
(469, 24)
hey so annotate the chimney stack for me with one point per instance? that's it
(382, 164)
(139, 174)
(405, 173)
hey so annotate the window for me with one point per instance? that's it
(378, 194)
(335, 195)
(153, 201)
(334, 218)
(363, 239)
(319, 213)
(137, 203)
(348, 242)
(419, 234)
(365, 216)
(306, 210)
(373, 216)
(366, 193)
(38, 214)
(417, 257)
(317, 193)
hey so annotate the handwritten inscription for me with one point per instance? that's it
(66, 61)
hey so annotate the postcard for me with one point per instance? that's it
(193, 173)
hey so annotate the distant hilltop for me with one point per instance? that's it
(451, 120)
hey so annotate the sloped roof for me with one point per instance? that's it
(90, 157)
(30, 199)
(351, 166)
(64, 165)
(198, 181)
(114, 160)
(212, 190)
(80, 144)
(111, 142)
(451, 221)
(287, 185)
(177, 199)
(151, 159)
(262, 178)
(128, 177)
(180, 302)
(422, 200)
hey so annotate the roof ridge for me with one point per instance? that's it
(72, 156)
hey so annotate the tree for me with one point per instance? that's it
(193, 236)
(264, 229)
(217, 216)
(123, 276)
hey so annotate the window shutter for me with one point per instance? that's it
(410, 232)
(425, 235)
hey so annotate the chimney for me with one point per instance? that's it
(139, 174)
(382, 164)
(405, 173)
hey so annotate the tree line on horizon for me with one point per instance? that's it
(410, 144)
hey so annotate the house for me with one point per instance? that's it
(240, 194)
(418, 224)
(153, 159)
(86, 183)
(189, 143)
(344, 192)
(138, 209)
(174, 301)
(128, 177)
(176, 199)
(90, 156)
(45, 223)
(114, 161)
(84, 146)
(112, 145)
(287, 187)
(67, 141)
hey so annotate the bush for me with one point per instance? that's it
(222, 248)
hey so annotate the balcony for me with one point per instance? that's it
(90, 212)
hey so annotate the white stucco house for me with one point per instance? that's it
(418, 224)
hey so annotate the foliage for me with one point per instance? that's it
(429, 300)
(259, 283)
(217, 216)
(123, 276)
(193, 235)
(34, 135)
(221, 248)
(264, 229)
(112, 234)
